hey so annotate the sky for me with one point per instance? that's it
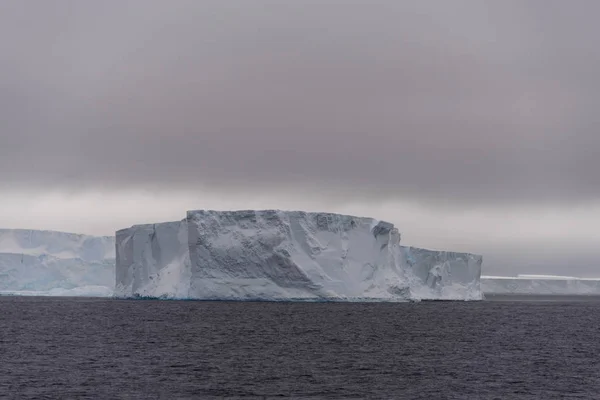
(472, 124)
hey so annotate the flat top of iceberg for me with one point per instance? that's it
(267, 212)
(141, 226)
(48, 233)
(540, 277)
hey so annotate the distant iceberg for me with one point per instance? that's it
(48, 263)
(286, 255)
(539, 285)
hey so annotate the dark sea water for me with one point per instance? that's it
(110, 349)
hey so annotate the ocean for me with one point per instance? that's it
(82, 348)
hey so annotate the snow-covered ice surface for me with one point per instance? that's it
(540, 285)
(48, 263)
(286, 255)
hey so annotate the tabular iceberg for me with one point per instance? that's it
(286, 255)
(539, 285)
(56, 263)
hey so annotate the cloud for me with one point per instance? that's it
(471, 103)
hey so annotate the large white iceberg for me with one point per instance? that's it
(279, 255)
(539, 285)
(56, 263)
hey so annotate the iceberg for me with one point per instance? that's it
(539, 285)
(57, 244)
(48, 263)
(274, 255)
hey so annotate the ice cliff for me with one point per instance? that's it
(539, 285)
(279, 255)
(153, 261)
(56, 263)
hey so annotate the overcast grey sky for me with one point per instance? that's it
(471, 124)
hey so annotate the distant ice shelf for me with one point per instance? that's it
(539, 285)
(48, 263)
(286, 255)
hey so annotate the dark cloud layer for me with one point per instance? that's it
(468, 102)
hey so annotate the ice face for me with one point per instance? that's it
(286, 255)
(46, 263)
(153, 261)
(540, 285)
(282, 255)
(447, 275)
